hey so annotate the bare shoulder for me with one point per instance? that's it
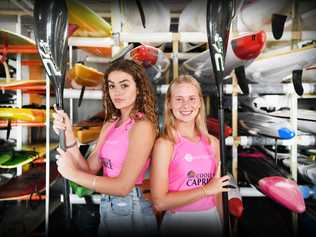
(163, 144)
(143, 126)
(213, 140)
(143, 123)
(143, 129)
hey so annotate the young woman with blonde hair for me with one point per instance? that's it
(185, 177)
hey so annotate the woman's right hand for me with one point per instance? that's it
(62, 123)
(217, 183)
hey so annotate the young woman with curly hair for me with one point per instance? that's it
(185, 175)
(123, 151)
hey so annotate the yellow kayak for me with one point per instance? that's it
(23, 114)
(83, 22)
(89, 24)
(40, 148)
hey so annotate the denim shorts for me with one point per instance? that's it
(198, 223)
(129, 215)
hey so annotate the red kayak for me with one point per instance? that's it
(284, 191)
(270, 179)
(213, 127)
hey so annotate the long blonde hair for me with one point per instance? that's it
(169, 131)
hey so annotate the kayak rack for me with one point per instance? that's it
(302, 140)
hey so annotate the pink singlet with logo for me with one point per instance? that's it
(192, 165)
(114, 150)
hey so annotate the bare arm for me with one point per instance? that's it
(62, 123)
(139, 150)
(164, 200)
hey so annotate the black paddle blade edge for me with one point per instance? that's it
(277, 25)
(50, 29)
(218, 20)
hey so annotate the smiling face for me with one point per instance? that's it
(122, 90)
(185, 102)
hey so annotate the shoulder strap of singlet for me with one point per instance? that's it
(131, 121)
(207, 143)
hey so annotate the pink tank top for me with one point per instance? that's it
(192, 165)
(113, 152)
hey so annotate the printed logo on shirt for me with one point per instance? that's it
(191, 174)
(198, 179)
(107, 163)
(189, 158)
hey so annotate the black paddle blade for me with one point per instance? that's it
(242, 81)
(277, 24)
(218, 20)
(50, 28)
(297, 82)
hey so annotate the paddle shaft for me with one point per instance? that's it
(218, 19)
(56, 79)
(60, 106)
(227, 223)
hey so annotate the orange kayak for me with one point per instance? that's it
(88, 130)
(85, 76)
(87, 134)
(19, 84)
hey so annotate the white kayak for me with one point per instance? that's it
(261, 124)
(273, 67)
(256, 15)
(306, 118)
(241, 50)
(265, 103)
(278, 106)
(149, 16)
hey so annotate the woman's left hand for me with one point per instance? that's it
(65, 165)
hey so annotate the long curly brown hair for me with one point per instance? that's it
(145, 101)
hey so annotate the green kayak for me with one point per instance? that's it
(79, 190)
(12, 159)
